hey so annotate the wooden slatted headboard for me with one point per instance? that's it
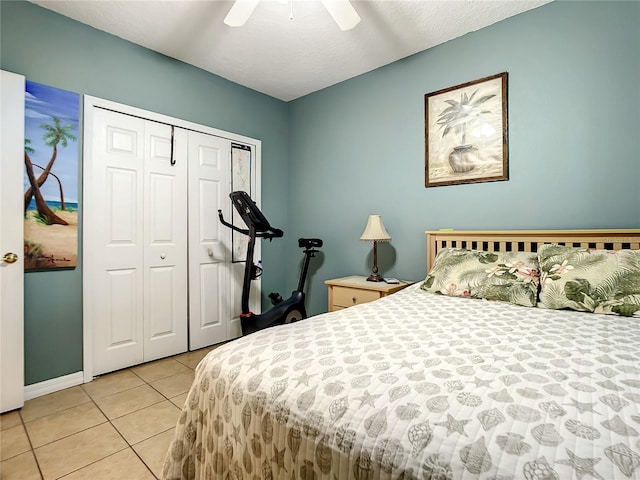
(528, 240)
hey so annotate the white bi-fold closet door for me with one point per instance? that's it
(158, 277)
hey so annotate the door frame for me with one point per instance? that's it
(12, 241)
(90, 104)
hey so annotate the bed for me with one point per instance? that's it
(427, 384)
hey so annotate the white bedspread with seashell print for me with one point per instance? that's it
(419, 386)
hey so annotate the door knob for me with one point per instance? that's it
(10, 257)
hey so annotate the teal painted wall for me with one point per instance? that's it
(333, 157)
(357, 148)
(54, 50)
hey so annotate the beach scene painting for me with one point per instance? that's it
(50, 177)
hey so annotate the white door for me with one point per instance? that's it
(135, 208)
(165, 241)
(135, 212)
(211, 296)
(113, 239)
(12, 88)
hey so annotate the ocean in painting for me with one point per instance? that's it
(55, 205)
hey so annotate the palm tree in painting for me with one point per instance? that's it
(28, 149)
(62, 204)
(54, 134)
(46, 214)
(456, 118)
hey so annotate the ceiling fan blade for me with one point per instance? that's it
(240, 12)
(343, 13)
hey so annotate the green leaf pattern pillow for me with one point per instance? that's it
(504, 276)
(599, 281)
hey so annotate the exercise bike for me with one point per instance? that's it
(283, 311)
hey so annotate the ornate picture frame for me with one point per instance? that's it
(466, 133)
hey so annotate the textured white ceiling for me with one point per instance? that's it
(283, 58)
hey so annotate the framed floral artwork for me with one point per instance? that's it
(466, 133)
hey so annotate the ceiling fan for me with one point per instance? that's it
(341, 10)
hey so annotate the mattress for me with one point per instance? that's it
(418, 386)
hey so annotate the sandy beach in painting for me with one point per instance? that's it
(58, 243)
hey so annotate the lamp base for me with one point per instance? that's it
(375, 277)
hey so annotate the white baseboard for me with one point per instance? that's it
(53, 385)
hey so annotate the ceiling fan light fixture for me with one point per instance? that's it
(343, 13)
(240, 12)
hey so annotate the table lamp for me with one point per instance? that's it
(375, 232)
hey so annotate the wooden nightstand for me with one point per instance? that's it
(349, 291)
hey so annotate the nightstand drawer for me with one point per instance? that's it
(348, 297)
(349, 291)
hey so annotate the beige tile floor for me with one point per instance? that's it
(118, 426)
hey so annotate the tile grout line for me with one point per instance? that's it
(92, 400)
(33, 450)
(107, 420)
(129, 445)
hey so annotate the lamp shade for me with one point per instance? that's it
(375, 230)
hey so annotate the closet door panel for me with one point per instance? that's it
(121, 195)
(212, 311)
(122, 293)
(209, 241)
(165, 234)
(212, 268)
(161, 306)
(113, 239)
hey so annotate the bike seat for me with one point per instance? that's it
(309, 242)
(271, 233)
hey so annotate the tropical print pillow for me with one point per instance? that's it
(504, 276)
(599, 281)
